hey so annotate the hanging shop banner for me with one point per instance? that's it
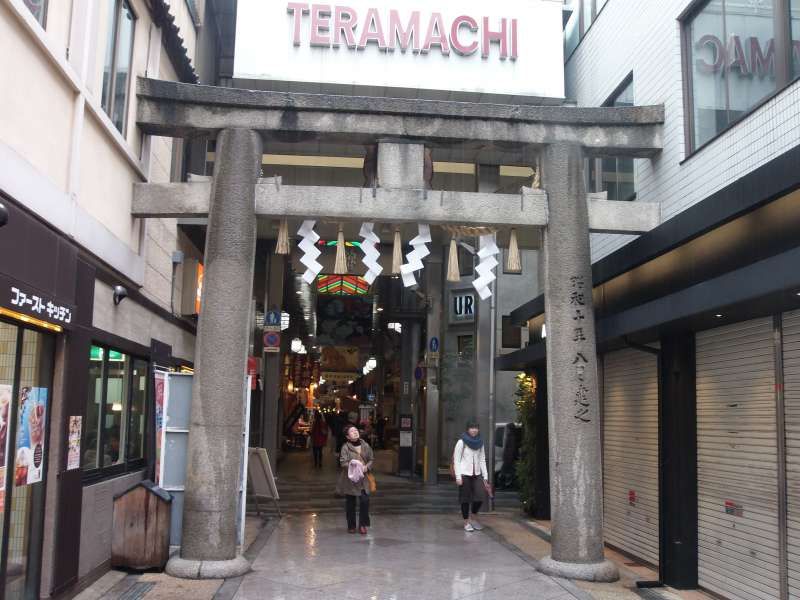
(5, 411)
(160, 382)
(502, 47)
(32, 411)
(74, 443)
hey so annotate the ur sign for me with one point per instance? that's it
(503, 47)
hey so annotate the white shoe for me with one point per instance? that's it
(476, 526)
(468, 527)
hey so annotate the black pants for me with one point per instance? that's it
(363, 510)
(476, 506)
(317, 452)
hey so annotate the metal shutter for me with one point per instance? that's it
(630, 453)
(737, 461)
(791, 378)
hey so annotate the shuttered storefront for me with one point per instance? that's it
(630, 453)
(737, 461)
(791, 377)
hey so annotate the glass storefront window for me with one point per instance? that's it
(116, 406)
(136, 431)
(26, 374)
(732, 63)
(116, 412)
(91, 437)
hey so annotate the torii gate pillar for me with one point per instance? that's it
(209, 538)
(576, 473)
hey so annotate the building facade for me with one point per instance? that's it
(89, 294)
(697, 319)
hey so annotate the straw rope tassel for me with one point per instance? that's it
(513, 260)
(453, 270)
(282, 245)
(340, 267)
(397, 252)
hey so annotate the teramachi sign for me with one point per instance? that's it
(505, 47)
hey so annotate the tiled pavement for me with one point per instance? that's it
(417, 557)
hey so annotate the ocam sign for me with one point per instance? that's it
(506, 47)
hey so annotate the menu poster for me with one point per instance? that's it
(160, 382)
(74, 443)
(5, 410)
(29, 463)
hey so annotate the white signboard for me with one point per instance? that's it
(506, 47)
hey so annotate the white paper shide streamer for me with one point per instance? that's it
(485, 269)
(371, 253)
(414, 258)
(310, 251)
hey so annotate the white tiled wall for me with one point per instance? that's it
(643, 37)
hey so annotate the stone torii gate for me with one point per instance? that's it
(401, 128)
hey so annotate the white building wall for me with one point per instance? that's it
(643, 37)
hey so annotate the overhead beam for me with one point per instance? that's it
(273, 200)
(180, 110)
(191, 200)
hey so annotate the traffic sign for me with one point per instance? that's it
(272, 341)
(434, 344)
(272, 320)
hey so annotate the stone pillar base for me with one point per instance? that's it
(603, 572)
(207, 569)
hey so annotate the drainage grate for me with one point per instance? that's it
(137, 591)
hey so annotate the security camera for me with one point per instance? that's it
(3, 214)
(120, 293)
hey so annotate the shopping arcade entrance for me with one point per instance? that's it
(401, 130)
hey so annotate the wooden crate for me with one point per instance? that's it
(140, 535)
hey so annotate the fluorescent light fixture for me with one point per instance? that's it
(544, 330)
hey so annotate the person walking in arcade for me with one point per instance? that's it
(355, 480)
(472, 477)
(319, 437)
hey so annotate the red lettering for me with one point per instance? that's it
(298, 9)
(321, 25)
(490, 36)
(408, 36)
(460, 48)
(344, 28)
(718, 51)
(738, 60)
(514, 51)
(373, 30)
(759, 63)
(436, 35)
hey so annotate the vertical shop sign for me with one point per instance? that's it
(5, 410)
(160, 381)
(30, 436)
(74, 443)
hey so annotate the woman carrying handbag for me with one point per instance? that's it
(356, 481)
(472, 476)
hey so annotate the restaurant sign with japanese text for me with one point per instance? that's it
(27, 300)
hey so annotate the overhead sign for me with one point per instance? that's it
(504, 47)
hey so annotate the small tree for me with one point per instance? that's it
(526, 466)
